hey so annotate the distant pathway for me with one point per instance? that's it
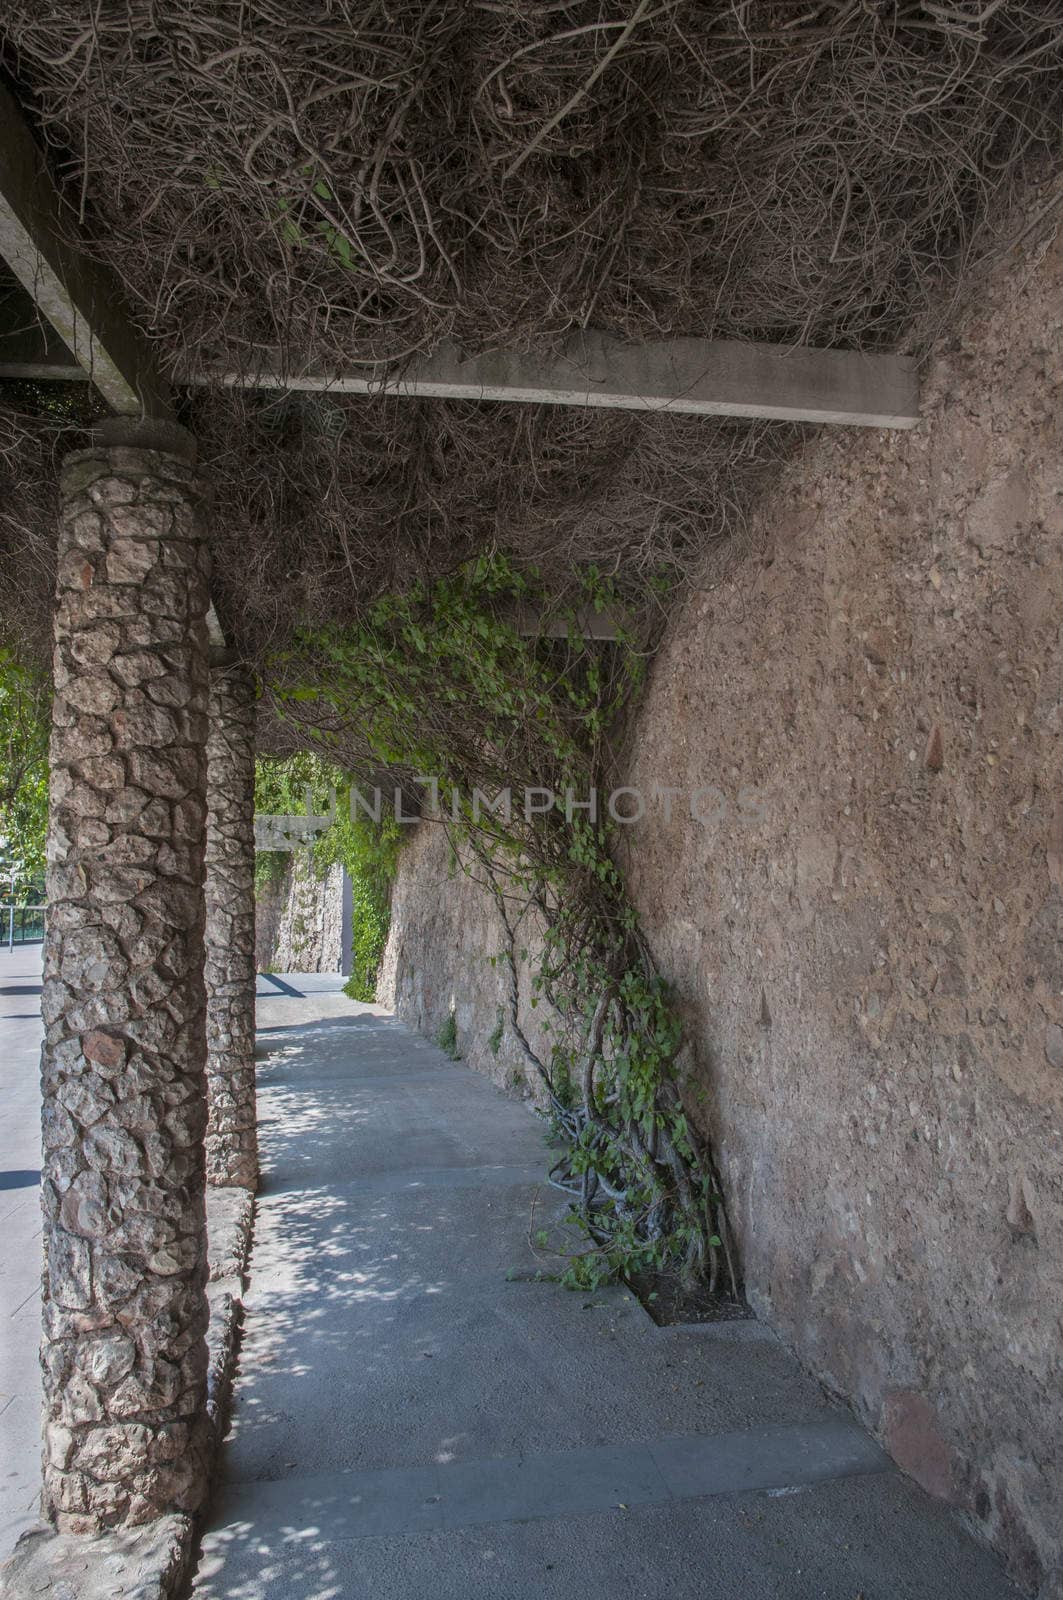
(417, 1418)
(20, 1240)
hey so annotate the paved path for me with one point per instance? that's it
(416, 1417)
(20, 1240)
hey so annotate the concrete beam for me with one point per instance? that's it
(688, 377)
(695, 377)
(288, 832)
(587, 624)
(75, 294)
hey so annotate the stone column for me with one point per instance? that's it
(232, 1139)
(123, 1068)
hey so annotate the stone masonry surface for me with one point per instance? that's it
(868, 949)
(299, 926)
(232, 1148)
(123, 1074)
(147, 1562)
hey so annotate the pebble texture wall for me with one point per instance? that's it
(124, 1307)
(232, 1140)
(300, 919)
(439, 963)
(867, 941)
(870, 955)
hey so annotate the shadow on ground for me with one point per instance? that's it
(416, 1416)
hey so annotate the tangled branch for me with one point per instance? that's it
(351, 184)
(338, 185)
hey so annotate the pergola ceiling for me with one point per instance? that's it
(79, 301)
(496, 203)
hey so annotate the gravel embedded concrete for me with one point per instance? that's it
(416, 1415)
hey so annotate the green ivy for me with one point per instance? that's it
(270, 867)
(284, 784)
(367, 849)
(443, 683)
(447, 1037)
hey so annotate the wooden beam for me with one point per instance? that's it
(694, 377)
(687, 376)
(75, 294)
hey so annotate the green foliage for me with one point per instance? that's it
(299, 227)
(447, 1038)
(25, 720)
(270, 867)
(369, 851)
(289, 786)
(494, 1039)
(307, 783)
(446, 688)
(297, 222)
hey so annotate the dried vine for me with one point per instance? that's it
(351, 183)
(329, 186)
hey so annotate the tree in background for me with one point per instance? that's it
(307, 784)
(24, 729)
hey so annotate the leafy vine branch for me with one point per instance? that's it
(449, 692)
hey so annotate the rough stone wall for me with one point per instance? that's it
(270, 900)
(232, 1139)
(873, 971)
(444, 932)
(867, 946)
(300, 920)
(124, 1308)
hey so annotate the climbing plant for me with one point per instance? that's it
(368, 849)
(507, 737)
(286, 786)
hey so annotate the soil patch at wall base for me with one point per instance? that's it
(671, 1303)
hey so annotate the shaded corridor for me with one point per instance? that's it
(416, 1416)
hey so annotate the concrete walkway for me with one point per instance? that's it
(416, 1417)
(20, 1241)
